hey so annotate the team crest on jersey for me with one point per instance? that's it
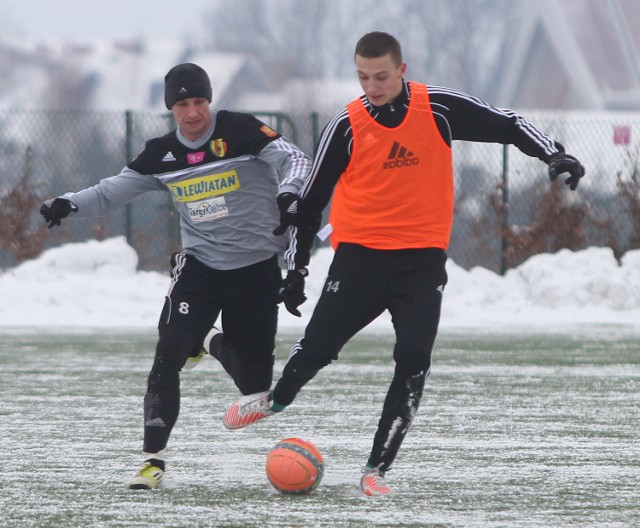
(218, 147)
(267, 131)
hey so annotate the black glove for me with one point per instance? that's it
(561, 162)
(292, 290)
(292, 212)
(55, 209)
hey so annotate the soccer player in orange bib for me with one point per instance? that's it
(387, 161)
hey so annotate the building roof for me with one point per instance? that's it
(575, 54)
(102, 75)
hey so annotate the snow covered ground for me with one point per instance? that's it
(532, 431)
(96, 284)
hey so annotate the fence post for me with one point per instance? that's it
(128, 147)
(505, 209)
(315, 130)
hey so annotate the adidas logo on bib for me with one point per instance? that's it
(399, 157)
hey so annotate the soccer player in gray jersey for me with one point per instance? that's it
(227, 173)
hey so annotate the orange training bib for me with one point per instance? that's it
(397, 191)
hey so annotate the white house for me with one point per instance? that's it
(575, 54)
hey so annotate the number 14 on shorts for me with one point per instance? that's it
(332, 286)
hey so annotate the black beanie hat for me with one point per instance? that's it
(184, 81)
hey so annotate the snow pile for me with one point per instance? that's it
(96, 284)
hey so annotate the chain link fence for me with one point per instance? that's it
(506, 208)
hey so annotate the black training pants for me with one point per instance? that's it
(247, 298)
(361, 284)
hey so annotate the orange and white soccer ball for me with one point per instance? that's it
(295, 466)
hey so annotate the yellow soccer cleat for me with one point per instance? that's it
(194, 361)
(149, 477)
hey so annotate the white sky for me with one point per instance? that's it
(95, 284)
(105, 19)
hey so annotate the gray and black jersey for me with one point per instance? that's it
(224, 186)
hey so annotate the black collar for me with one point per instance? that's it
(392, 114)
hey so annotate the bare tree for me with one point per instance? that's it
(458, 43)
(308, 37)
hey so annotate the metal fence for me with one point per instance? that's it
(506, 208)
